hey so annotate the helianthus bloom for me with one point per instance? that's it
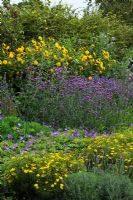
(35, 62)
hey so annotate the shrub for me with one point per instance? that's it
(48, 55)
(95, 186)
(40, 172)
(115, 187)
(98, 104)
(81, 186)
(111, 153)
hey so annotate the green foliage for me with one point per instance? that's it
(81, 186)
(18, 127)
(122, 9)
(7, 105)
(93, 186)
(29, 19)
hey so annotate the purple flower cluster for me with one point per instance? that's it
(96, 88)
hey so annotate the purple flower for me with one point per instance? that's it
(9, 136)
(87, 133)
(54, 133)
(15, 146)
(6, 147)
(76, 133)
(131, 125)
(29, 136)
(29, 142)
(26, 148)
(21, 137)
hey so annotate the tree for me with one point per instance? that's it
(123, 9)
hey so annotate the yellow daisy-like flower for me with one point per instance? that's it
(11, 55)
(36, 185)
(84, 58)
(87, 52)
(20, 50)
(58, 64)
(105, 54)
(35, 62)
(5, 62)
(55, 57)
(40, 38)
(58, 46)
(61, 186)
(46, 53)
(0, 62)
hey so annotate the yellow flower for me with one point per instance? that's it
(11, 55)
(35, 62)
(40, 38)
(51, 71)
(65, 51)
(22, 61)
(55, 57)
(9, 62)
(20, 50)
(105, 54)
(61, 186)
(62, 60)
(52, 185)
(58, 64)
(87, 52)
(84, 58)
(38, 175)
(58, 46)
(69, 58)
(5, 62)
(33, 42)
(29, 49)
(90, 57)
(0, 62)
(36, 185)
(46, 53)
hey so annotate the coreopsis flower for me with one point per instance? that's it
(35, 62)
